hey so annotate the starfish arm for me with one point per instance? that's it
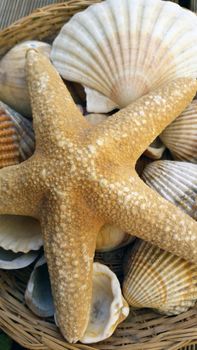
(55, 114)
(15, 191)
(142, 212)
(131, 130)
(70, 231)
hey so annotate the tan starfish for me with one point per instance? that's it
(81, 177)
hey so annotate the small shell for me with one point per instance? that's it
(10, 260)
(24, 130)
(108, 306)
(175, 181)
(20, 233)
(181, 135)
(120, 50)
(38, 295)
(111, 237)
(9, 144)
(13, 86)
(157, 279)
(155, 150)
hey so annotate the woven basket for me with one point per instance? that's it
(144, 329)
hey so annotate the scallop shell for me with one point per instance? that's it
(11, 261)
(111, 237)
(24, 130)
(9, 145)
(175, 181)
(38, 295)
(13, 86)
(157, 279)
(181, 135)
(20, 233)
(155, 150)
(119, 50)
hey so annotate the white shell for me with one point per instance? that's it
(181, 135)
(38, 295)
(24, 131)
(108, 306)
(13, 85)
(111, 237)
(20, 233)
(119, 50)
(175, 181)
(11, 261)
(157, 279)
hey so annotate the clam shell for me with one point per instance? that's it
(181, 135)
(10, 260)
(155, 150)
(13, 85)
(9, 145)
(38, 295)
(119, 50)
(111, 237)
(175, 181)
(108, 307)
(157, 279)
(24, 130)
(20, 233)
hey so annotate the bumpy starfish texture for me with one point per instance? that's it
(81, 177)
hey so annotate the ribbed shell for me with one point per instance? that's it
(157, 279)
(9, 145)
(23, 129)
(175, 181)
(120, 50)
(181, 135)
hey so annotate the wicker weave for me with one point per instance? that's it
(145, 330)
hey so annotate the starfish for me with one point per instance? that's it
(81, 177)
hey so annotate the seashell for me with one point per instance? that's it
(24, 130)
(111, 237)
(175, 181)
(159, 280)
(120, 50)
(155, 150)
(108, 307)
(181, 135)
(10, 260)
(9, 145)
(13, 86)
(20, 233)
(38, 295)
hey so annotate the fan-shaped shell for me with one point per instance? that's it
(111, 237)
(181, 135)
(9, 144)
(119, 50)
(157, 279)
(23, 129)
(13, 85)
(175, 181)
(38, 295)
(11, 261)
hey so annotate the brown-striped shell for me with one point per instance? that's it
(159, 280)
(9, 143)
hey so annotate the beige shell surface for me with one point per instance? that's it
(108, 307)
(119, 50)
(23, 130)
(111, 237)
(13, 86)
(157, 279)
(20, 233)
(180, 137)
(175, 181)
(9, 144)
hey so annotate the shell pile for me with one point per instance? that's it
(118, 51)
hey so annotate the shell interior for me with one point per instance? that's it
(10, 260)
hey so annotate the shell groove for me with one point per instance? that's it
(160, 280)
(120, 50)
(181, 135)
(9, 145)
(175, 181)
